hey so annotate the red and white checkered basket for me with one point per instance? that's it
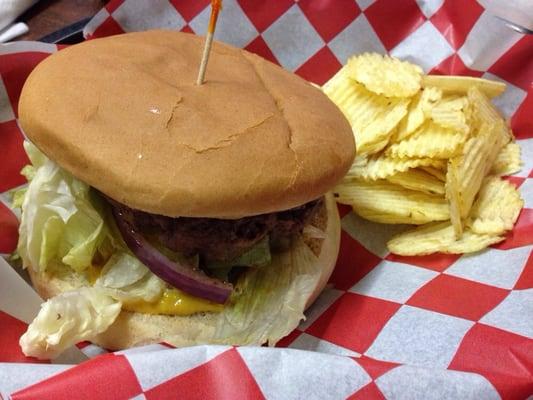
(390, 327)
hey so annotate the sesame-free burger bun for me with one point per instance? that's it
(125, 115)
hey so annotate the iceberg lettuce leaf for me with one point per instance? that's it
(59, 219)
(67, 319)
(268, 303)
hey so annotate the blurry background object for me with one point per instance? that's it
(55, 20)
(518, 14)
(12, 31)
(9, 11)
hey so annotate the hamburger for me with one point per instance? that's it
(159, 210)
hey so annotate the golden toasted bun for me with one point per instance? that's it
(132, 329)
(124, 115)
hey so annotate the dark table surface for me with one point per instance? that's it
(48, 16)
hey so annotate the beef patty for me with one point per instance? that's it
(225, 239)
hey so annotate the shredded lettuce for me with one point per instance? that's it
(62, 220)
(268, 303)
(121, 270)
(37, 158)
(257, 256)
(18, 197)
(59, 219)
(67, 319)
(130, 279)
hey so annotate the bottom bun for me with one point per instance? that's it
(132, 329)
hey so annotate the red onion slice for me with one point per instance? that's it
(182, 277)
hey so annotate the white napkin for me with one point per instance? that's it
(9, 11)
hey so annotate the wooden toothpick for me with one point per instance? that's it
(216, 6)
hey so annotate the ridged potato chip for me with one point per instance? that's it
(507, 161)
(418, 180)
(380, 167)
(438, 237)
(382, 201)
(484, 110)
(494, 212)
(466, 172)
(496, 208)
(385, 75)
(425, 147)
(461, 84)
(430, 140)
(375, 147)
(471, 242)
(419, 109)
(503, 137)
(372, 117)
(453, 197)
(360, 160)
(470, 168)
(451, 112)
(439, 173)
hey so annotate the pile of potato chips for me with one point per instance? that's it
(430, 152)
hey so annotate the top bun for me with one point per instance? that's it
(124, 115)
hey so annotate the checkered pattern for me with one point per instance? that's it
(441, 326)
(216, 372)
